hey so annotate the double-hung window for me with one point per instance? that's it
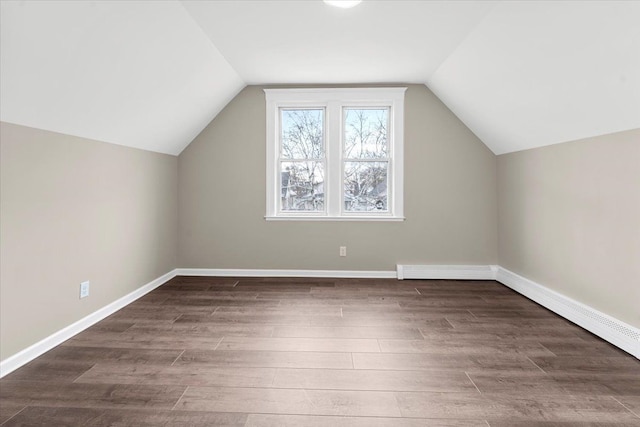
(335, 154)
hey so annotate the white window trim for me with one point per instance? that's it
(333, 100)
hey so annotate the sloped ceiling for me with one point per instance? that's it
(141, 74)
(152, 74)
(539, 73)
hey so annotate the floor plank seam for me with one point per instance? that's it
(546, 348)
(535, 364)
(177, 358)
(472, 382)
(449, 322)
(625, 406)
(78, 377)
(130, 326)
(173, 408)
(395, 398)
(14, 415)
(217, 345)
(380, 417)
(273, 379)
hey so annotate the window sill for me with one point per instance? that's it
(335, 218)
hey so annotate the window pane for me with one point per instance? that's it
(302, 134)
(365, 133)
(302, 187)
(365, 186)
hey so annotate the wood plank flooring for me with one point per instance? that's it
(327, 352)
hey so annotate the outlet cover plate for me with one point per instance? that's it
(84, 289)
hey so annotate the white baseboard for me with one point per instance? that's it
(448, 272)
(608, 328)
(338, 274)
(25, 356)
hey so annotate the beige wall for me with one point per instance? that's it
(450, 199)
(75, 210)
(569, 219)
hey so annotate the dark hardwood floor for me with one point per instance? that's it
(327, 352)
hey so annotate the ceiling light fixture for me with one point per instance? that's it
(344, 4)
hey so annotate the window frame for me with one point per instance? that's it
(334, 101)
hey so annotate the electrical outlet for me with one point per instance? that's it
(84, 289)
(343, 251)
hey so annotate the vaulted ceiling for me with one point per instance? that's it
(153, 74)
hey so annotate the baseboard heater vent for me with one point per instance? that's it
(450, 272)
(615, 331)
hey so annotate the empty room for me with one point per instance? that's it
(357, 213)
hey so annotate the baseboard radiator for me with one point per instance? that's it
(616, 332)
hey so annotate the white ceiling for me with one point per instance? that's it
(539, 73)
(152, 74)
(310, 42)
(133, 73)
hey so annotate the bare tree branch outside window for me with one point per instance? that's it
(366, 155)
(302, 156)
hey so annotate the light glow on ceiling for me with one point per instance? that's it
(344, 4)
